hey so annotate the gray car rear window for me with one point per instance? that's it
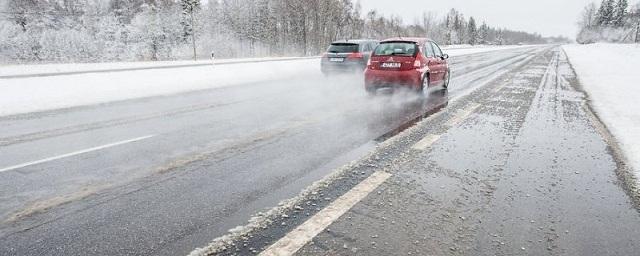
(343, 48)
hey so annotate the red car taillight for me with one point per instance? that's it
(417, 64)
(372, 64)
(355, 55)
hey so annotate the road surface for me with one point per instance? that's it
(164, 175)
(519, 167)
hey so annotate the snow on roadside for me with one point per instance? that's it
(20, 70)
(610, 74)
(25, 95)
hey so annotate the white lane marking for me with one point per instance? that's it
(10, 168)
(297, 238)
(462, 115)
(426, 142)
(498, 89)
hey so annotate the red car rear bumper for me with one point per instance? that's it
(375, 79)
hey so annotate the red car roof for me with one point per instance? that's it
(417, 40)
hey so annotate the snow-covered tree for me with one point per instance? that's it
(459, 27)
(127, 30)
(500, 37)
(612, 22)
(450, 24)
(189, 14)
(634, 21)
(483, 33)
(620, 13)
(125, 10)
(605, 14)
(472, 31)
(589, 16)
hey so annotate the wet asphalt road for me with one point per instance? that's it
(519, 167)
(205, 160)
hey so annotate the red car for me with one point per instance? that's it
(415, 63)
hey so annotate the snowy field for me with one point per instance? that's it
(25, 95)
(610, 73)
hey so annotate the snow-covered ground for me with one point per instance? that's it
(39, 69)
(25, 95)
(610, 73)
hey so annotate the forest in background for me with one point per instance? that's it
(611, 21)
(60, 31)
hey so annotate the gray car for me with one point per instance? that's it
(347, 56)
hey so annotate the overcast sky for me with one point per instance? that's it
(547, 17)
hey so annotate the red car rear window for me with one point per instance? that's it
(407, 49)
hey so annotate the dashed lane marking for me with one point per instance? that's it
(297, 238)
(426, 142)
(462, 115)
(499, 88)
(11, 168)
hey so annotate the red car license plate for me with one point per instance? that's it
(391, 65)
